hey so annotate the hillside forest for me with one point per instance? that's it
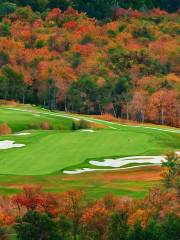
(127, 65)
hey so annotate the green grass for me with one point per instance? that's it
(47, 153)
(19, 121)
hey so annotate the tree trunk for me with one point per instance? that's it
(162, 116)
(65, 104)
(114, 111)
(127, 111)
(142, 116)
(23, 97)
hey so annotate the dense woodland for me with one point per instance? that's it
(100, 9)
(127, 66)
(34, 214)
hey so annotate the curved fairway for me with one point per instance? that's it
(51, 151)
(48, 152)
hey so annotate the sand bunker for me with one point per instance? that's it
(22, 134)
(178, 153)
(114, 163)
(9, 144)
(87, 130)
(77, 171)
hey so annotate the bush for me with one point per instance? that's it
(46, 126)
(34, 126)
(82, 124)
(5, 129)
(74, 125)
(61, 127)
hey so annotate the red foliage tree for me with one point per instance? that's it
(95, 219)
(5, 129)
(33, 198)
(54, 14)
(73, 206)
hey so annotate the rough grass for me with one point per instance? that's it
(133, 183)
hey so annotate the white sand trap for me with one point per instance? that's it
(9, 144)
(178, 153)
(22, 134)
(118, 163)
(87, 130)
(77, 171)
(115, 163)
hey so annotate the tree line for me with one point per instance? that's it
(63, 59)
(100, 9)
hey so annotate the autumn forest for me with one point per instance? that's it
(89, 120)
(128, 67)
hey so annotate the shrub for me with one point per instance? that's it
(5, 129)
(34, 126)
(74, 125)
(46, 126)
(62, 127)
(82, 124)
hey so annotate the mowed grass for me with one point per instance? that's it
(48, 153)
(31, 118)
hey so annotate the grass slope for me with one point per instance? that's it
(30, 118)
(47, 153)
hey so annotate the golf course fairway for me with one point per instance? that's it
(47, 153)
